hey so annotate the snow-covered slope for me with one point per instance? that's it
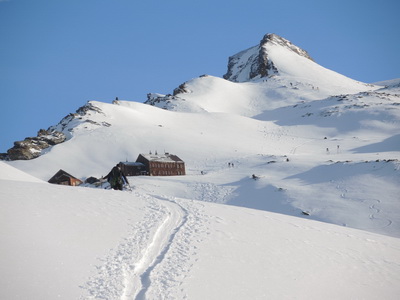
(321, 146)
(76, 243)
(273, 74)
(255, 62)
(9, 173)
(278, 56)
(315, 135)
(208, 122)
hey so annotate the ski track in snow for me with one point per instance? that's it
(376, 219)
(162, 279)
(111, 279)
(156, 251)
(162, 244)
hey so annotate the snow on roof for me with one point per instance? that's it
(131, 163)
(162, 157)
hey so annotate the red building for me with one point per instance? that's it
(162, 165)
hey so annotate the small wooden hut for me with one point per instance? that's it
(63, 178)
(133, 168)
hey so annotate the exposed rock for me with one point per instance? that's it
(182, 89)
(255, 63)
(32, 147)
(82, 114)
(154, 98)
(87, 108)
(276, 39)
(161, 101)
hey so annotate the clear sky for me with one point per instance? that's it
(55, 55)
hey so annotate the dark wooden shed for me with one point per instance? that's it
(63, 178)
(133, 168)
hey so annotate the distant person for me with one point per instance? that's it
(116, 178)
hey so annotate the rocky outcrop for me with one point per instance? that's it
(255, 63)
(82, 114)
(162, 101)
(182, 89)
(31, 147)
(168, 102)
(277, 40)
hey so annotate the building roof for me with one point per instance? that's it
(61, 175)
(162, 157)
(131, 163)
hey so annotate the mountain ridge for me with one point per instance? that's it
(256, 59)
(289, 84)
(300, 170)
(281, 129)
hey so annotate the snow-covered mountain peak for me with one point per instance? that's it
(272, 75)
(274, 39)
(255, 62)
(282, 153)
(275, 55)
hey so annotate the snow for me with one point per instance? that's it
(161, 157)
(243, 62)
(298, 67)
(321, 220)
(392, 82)
(9, 173)
(79, 243)
(53, 236)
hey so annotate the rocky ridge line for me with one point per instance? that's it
(257, 61)
(31, 147)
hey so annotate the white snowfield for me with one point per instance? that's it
(75, 243)
(320, 218)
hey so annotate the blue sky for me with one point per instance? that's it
(55, 55)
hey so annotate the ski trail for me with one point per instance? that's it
(138, 281)
(181, 254)
(113, 277)
(155, 255)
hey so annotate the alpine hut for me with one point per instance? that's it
(63, 178)
(162, 165)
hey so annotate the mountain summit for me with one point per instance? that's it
(273, 74)
(255, 62)
(270, 154)
(318, 142)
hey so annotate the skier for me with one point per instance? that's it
(117, 178)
